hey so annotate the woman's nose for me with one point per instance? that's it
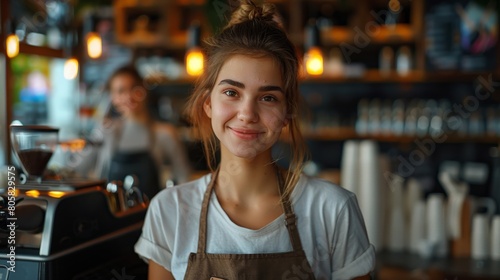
(248, 111)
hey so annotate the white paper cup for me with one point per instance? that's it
(412, 196)
(436, 224)
(370, 191)
(397, 226)
(480, 237)
(349, 166)
(417, 227)
(495, 238)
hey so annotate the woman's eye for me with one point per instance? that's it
(229, 92)
(269, 98)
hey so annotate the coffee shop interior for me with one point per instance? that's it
(401, 104)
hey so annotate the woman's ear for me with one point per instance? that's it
(286, 121)
(207, 106)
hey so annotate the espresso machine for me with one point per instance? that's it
(66, 229)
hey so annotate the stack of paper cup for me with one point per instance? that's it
(349, 166)
(386, 175)
(369, 191)
(495, 238)
(480, 237)
(397, 225)
(412, 196)
(436, 225)
(417, 226)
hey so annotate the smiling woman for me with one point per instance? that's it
(247, 104)
(263, 222)
(133, 142)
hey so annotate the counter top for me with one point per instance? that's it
(456, 268)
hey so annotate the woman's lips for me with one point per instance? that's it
(246, 134)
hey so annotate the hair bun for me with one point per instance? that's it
(250, 11)
(257, 12)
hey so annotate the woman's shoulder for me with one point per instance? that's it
(319, 189)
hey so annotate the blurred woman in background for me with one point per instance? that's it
(133, 142)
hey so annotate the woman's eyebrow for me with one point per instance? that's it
(241, 85)
(232, 82)
(271, 88)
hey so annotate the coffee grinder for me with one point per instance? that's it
(66, 229)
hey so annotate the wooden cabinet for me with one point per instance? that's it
(157, 24)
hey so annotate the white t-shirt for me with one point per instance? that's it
(329, 222)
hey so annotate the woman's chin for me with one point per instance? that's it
(247, 152)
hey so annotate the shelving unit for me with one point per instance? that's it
(341, 23)
(348, 133)
(398, 34)
(331, 136)
(363, 16)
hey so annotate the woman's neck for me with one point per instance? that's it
(241, 179)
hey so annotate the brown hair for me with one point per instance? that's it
(253, 31)
(129, 70)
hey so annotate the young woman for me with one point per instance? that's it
(133, 142)
(250, 219)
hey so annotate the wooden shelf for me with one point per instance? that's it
(370, 75)
(41, 51)
(166, 82)
(382, 34)
(343, 134)
(414, 76)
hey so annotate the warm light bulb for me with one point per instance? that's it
(33, 193)
(71, 68)
(194, 62)
(56, 194)
(395, 6)
(314, 61)
(94, 45)
(12, 45)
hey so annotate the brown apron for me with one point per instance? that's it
(288, 265)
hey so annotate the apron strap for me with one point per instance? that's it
(290, 218)
(202, 236)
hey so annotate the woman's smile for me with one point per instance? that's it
(245, 134)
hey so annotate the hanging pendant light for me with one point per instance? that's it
(313, 56)
(93, 40)
(12, 45)
(94, 45)
(11, 42)
(194, 55)
(71, 66)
